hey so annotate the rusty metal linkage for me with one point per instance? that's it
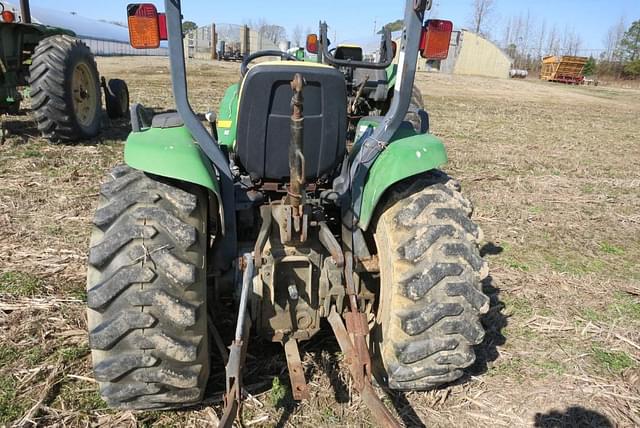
(352, 341)
(296, 157)
(299, 387)
(238, 351)
(330, 243)
(364, 387)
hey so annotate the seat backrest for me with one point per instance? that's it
(264, 120)
(353, 53)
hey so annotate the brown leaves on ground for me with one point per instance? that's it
(553, 172)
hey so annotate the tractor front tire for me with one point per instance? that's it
(65, 89)
(431, 298)
(146, 292)
(117, 98)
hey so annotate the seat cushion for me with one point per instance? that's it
(264, 120)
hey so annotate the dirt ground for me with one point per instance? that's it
(554, 172)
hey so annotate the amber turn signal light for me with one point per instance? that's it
(144, 28)
(312, 43)
(8, 16)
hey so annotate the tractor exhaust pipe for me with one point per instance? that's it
(296, 146)
(25, 11)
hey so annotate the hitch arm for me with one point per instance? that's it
(238, 351)
(362, 382)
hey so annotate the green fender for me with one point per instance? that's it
(407, 155)
(227, 117)
(392, 72)
(171, 153)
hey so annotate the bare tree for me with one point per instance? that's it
(576, 44)
(296, 35)
(275, 33)
(553, 42)
(571, 41)
(517, 31)
(526, 33)
(272, 32)
(612, 40)
(482, 12)
(506, 36)
(541, 38)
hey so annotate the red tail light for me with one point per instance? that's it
(435, 40)
(162, 26)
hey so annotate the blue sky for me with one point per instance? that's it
(353, 20)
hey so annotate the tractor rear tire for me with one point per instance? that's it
(431, 298)
(147, 292)
(65, 89)
(419, 121)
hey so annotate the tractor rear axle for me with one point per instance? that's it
(288, 317)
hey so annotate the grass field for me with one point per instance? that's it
(554, 173)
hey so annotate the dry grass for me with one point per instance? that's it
(553, 171)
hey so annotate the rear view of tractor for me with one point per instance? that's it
(316, 194)
(61, 74)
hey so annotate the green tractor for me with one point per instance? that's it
(308, 199)
(61, 74)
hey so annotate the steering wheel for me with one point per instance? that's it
(245, 62)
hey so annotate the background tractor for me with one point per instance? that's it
(313, 197)
(61, 74)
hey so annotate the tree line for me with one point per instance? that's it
(527, 40)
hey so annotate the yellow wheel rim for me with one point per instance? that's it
(84, 94)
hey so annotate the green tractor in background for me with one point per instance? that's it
(61, 74)
(311, 197)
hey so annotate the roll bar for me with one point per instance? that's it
(370, 149)
(381, 136)
(209, 145)
(385, 48)
(25, 11)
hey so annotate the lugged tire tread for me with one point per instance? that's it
(166, 306)
(183, 378)
(429, 317)
(107, 333)
(108, 289)
(146, 292)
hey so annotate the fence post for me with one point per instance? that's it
(244, 41)
(214, 42)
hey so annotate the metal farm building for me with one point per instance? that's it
(471, 54)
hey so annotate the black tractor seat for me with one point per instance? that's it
(264, 120)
